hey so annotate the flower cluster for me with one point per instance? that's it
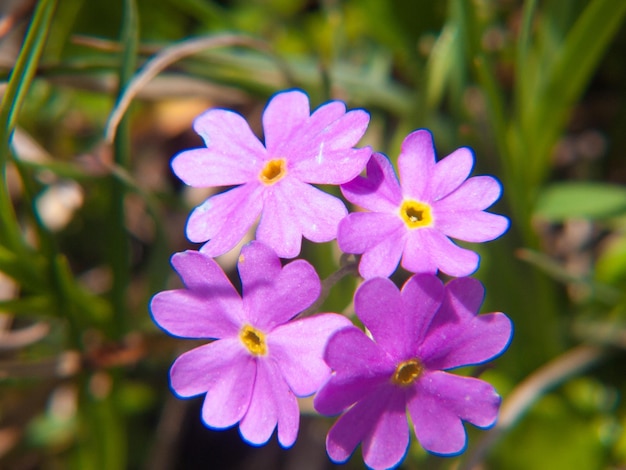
(261, 353)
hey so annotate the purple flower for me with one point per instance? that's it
(414, 219)
(273, 180)
(260, 360)
(418, 333)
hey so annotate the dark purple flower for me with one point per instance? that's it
(416, 335)
(261, 360)
(412, 220)
(273, 180)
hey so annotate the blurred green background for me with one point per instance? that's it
(90, 212)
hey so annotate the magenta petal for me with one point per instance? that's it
(472, 226)
(440, 401)
(285, 113)
(359, 366)
(205, 168)
(387, 443)
(422, 296)
(450, 173)
(223, 370)
(416, 164)
(379, 191)
(228, 134)
(292, 291)
(450, 258)
(225, 218)
(379, 421)
(475, 194)
(298, 347)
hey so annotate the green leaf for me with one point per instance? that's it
(583, 200)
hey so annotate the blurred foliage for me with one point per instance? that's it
(87, 225)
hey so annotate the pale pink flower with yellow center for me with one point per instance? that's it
(261, 359)
(274, 180)
(412, 219)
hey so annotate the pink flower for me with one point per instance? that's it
(414, 219)
(417, 334)
(274, 180)
(260, 360)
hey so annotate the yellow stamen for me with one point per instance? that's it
(416, 214)
(254, 340)
(407, 372)
(273, 171)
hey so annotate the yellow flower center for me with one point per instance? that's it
(416, 214)
(407, 372)
(273, 171)
(254, 340)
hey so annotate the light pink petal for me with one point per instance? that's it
(284, 114)
(222, 369)
(294, 209)
(332, 166)
(475, 194)
(224, 218)
(450, 173)
(472, 226)
(379, 421)
(359, 367)
(362, 231)
(439, 403)
(379, 191)
(416, 164)
(418, 256)
(298, 348)
(205, 168)
(458, 336)
(292, 291)
(431, 248)
(272, 403)
(228, 134)
(209, 308)
(382, 259)
(258, 266)
(188, 315)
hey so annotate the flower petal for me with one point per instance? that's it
(359, 366)
(458, 336)
(271, 301)
(434, 247)
(295, 209)
(396, 320)
(475, 194)
(272, 403)
(450, 173)
(298, 348)
(362, 231)
(227, 133)
(284, 114)
(383, 259)
(416, 164)
(225, 372)
(224, 218)
(440, 401)
(209, 308)
(204, 168)
(188, 315)
(472, 226)
(379, 421)
(379, 191)
(258, 268)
